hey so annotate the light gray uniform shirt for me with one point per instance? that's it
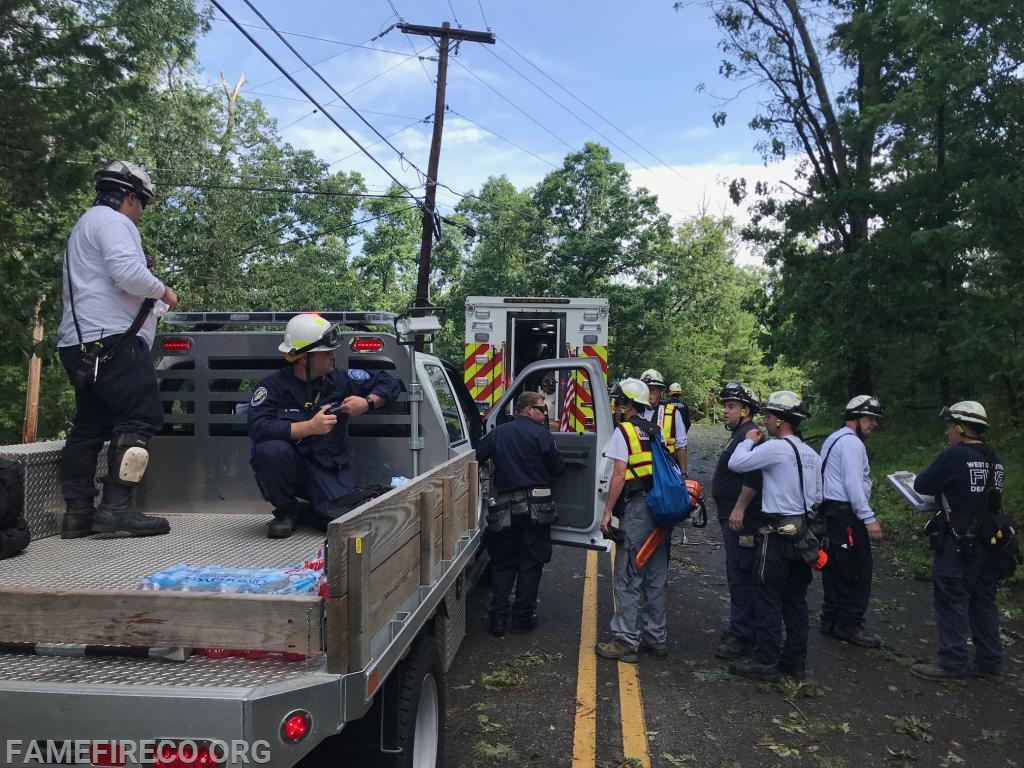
(108, 272)
(847, 475)
(782, 494)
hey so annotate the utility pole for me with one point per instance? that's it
(444, 34)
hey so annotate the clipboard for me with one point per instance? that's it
(904, 483)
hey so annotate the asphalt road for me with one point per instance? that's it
(544, 699)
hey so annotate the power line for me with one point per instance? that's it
(307, 94)
(279, 190)
(323, 232)
(484, 17)
(517, 107)
(323, 39)
(408, 39)
(591, 109)
(499, 136)
(587, 124)
(416, 121)
(334, 90)
(452, 9)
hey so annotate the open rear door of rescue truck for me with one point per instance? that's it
(580, 420)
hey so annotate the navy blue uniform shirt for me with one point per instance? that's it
(959, 474)
(726, 485)
(524, 455)
(280, 400)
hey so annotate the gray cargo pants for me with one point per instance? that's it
(639, 594)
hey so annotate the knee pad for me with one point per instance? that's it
(128, 458)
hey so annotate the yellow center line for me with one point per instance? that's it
(631, 706)
(584, 740)
(631, 709)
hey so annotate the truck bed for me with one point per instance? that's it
(231, 540)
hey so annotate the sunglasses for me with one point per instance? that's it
(540, 408)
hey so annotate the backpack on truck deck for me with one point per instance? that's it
(668, 499)
(14, 533)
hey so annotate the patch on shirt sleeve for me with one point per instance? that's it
(258, 396)
(358, 374)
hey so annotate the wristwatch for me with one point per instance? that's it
(369, 404)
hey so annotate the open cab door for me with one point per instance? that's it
(580, 420)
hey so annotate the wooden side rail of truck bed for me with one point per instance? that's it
(379, 557)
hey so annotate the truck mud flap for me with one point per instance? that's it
(450, 622)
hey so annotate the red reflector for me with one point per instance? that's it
(107, 755)
(295, 727)
(176, 345)
(367, 344)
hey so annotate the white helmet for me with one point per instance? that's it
(966, 412)
(863, 405)
(675, 389)
(787, 405)
(635, 391)
(309, 332)
(128, 177)
(652, 378)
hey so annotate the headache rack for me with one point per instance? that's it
(211, 321)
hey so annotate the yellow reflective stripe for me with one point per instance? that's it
(667, 425)
(640, 461)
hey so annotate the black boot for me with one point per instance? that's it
(117, 517)
(281, 527)
(77, 520)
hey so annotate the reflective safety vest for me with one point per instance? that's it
(639, 465)
(665, 417)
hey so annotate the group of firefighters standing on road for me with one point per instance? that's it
(784, 510)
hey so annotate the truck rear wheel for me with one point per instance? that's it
(420, 708)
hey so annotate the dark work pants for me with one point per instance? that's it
(739, 573)
(518, 556)
(780, 598)
(965, 605)
(123, 399)
(285, 476)
(846, 580)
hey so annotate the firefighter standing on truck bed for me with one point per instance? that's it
(297, 422)
(105, 340)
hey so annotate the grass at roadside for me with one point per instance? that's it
(905, 445)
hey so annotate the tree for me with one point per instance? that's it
(599, 227)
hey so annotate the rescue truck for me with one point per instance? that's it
(95, 671)
(504, 334)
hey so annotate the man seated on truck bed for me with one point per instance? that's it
(298, 418)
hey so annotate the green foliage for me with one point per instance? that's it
(894, 267)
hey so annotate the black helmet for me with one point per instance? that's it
(127, 177)
(863, 405)
(741, 394)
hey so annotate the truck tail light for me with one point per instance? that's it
(367, 344)
(176, 345)
(296, 726)
(107, 755)
(186, 754)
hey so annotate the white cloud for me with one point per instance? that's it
(685, 191)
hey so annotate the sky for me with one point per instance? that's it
(561, 73)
